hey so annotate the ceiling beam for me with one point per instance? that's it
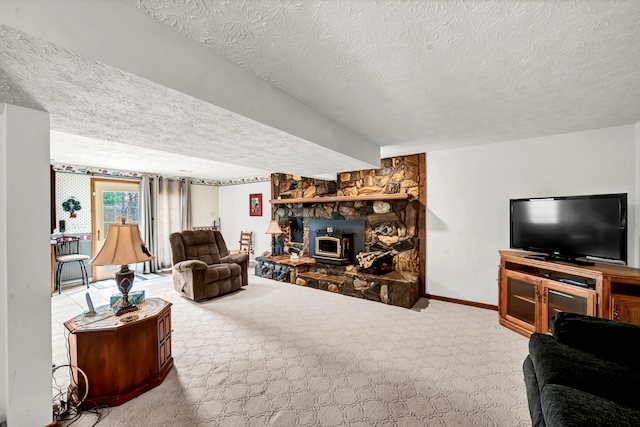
(119, 35)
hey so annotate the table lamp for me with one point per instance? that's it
(123, 246)
(273, 229)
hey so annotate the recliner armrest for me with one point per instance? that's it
(608, 339)
(193, 264)
(235, 258)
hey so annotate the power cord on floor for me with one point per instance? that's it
(69, 413)
(64, 405)
(99, 411)
(66, 411)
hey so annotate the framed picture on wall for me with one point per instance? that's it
(255, 204)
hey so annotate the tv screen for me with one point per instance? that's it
(570, 227)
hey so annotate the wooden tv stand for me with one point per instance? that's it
(531, 291)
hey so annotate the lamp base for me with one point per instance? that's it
(124, 281)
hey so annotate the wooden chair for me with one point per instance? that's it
(246, 243)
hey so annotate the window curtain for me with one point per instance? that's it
(148, 224)
(169, 217)
(186, 205)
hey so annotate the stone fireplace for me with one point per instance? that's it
(350, 235)
(388, 203)
(333, 248)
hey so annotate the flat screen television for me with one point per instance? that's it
(566, 228)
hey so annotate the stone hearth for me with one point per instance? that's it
(396, 287)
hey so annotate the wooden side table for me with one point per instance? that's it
(121, 359)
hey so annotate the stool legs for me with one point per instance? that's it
(59, 279)
(83, 273)
(58, 274)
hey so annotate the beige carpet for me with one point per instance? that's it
(276, 354)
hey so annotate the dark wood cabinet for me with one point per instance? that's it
(164, 340)
(121, 359)
(625, 308)
(532, 291)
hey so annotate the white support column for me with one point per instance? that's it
(25, 300)
(634, 228)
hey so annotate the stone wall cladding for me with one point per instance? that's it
(390, 225)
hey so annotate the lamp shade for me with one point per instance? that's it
(274, 228)
(123, 246)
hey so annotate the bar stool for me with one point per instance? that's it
(67, 250)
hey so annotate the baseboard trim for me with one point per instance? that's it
(463, 302)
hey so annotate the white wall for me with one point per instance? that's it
(233, 203)
(468, 192)
(25, 299)
(204, 205)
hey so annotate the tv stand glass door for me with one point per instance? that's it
(529, 302)
(521, 293)
(557, 297)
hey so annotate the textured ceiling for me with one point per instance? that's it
(424, 75)
(76, 150)
(410, 75)
(99, 102)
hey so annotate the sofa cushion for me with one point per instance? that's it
(222, 246)
(177, 248)
(235, 269)
(201, 245)
(217, 272)
(568, 407)
(609, 340)
(556, 363)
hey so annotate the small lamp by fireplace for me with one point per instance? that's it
(273, 229)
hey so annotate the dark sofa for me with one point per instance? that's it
(586, 374)
(203, 267)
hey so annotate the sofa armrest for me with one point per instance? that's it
(608, 339)
(557, 363)
(243, 261)
(235, 258)
(533, 393)
(193, 264)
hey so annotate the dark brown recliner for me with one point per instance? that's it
(202, 265)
